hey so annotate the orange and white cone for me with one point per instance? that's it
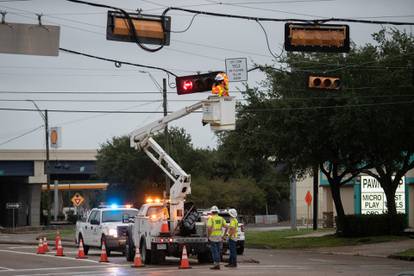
(45, 245)
(57, 239)
(164, 227)
(104, 257)
(81, 252)
(40, 249)
(184, 260)
(137, 259)
(59, 249)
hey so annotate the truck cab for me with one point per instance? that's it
(105, 224)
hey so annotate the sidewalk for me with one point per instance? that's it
(383, 249)
(31, 239)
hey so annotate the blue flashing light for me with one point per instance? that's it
(113, 205)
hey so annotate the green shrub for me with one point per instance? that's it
(371, 225)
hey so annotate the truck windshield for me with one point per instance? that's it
(116, 215)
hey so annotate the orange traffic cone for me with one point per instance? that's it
(40, 249)
(59, 249)
(57, 239)
(184, 260)
(45, 245)
(137, 259)
(81, 252)
(164, 227)
(104, 257)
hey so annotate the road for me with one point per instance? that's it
(22, 260)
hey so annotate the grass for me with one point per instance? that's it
(281, 240)
(67, 234)
(405, 255)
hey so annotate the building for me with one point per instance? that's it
(362, 195)
(22, 174)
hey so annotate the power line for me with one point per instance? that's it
(95, 92)
(82, 111)
(21, 135)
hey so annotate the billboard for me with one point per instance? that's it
(373, 199)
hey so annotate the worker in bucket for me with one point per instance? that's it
(232, 232)
(215, 225)
(221, 85)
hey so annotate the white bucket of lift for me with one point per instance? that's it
(220, 113)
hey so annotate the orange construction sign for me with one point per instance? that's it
(308, 198)
(77, 200)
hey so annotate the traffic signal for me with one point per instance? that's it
(195, 83)
(324, 82)
(150, 29)
(316, 38)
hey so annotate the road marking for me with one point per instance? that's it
(53, 256)
(18, 247)
(5, 268)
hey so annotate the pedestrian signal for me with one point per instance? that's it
(316, 38)
(195, 83)
(324, 82)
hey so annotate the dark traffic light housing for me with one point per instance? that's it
(316, 38)
(150, 29)
(195, 83)
(324, 82)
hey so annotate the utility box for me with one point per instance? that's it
(220, 113)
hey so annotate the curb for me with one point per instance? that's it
(65, 244)
(404, 258)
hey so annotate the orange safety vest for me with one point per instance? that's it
(220, 90)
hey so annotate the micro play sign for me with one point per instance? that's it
(373, 199)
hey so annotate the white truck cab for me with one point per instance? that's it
(107, 224)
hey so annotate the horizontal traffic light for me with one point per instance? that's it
(195, 83)
(316, 38)
(324, 82)
(149, 29)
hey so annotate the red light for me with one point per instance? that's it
(187, 85)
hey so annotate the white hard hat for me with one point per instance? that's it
(233, 213)
(219, 77)
(214, 209)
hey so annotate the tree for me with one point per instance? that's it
(295, 126)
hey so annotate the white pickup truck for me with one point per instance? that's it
(107, 224)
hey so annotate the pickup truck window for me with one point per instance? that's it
(154, 210)
(116, 215)
(92, 216)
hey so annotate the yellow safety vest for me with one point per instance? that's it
(234, 224)
(217, 223)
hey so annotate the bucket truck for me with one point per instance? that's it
(182, 219)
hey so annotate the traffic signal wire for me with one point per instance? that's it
(315, 21)
(118, 63)
(132, 29)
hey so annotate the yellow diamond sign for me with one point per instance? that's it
(77, 200)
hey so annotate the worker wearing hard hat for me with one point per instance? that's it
(232, 232)
(215, 225)
(221, 85)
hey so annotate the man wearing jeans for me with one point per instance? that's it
(234, 225)
(215, 225)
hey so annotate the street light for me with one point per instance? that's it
(45, 119)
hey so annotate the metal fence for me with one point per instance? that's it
(266, 219)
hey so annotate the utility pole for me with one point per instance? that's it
(46, 169)
(164, 104)
(293, 203)
(315, 196)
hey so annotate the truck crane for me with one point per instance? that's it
(145, 233)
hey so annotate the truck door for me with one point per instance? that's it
(88, 227)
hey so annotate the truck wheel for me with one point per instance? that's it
(145, 253)
(129, 249)
(108, 251)
(85, 247)
(204, 257)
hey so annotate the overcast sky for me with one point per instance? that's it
(204, 47)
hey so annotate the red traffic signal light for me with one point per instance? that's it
(324, 82)
(195, 83)
(316, 38)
